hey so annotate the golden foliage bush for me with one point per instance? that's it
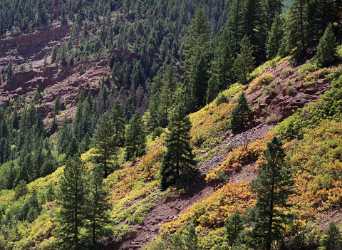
(238, 158)
(212, 211)
(263, 80)
(316, 161)
(213, 118)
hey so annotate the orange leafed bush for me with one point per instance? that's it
(211, 212)
(238, 158)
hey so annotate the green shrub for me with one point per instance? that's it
(308, 67)
(333, 239)
(221, 98)
(20, 190)
(339, 52)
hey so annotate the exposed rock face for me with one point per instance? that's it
(31, 47)
(30, 56)
(287, 92)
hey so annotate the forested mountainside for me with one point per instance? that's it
(179, 124)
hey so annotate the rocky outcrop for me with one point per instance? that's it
(29, 55)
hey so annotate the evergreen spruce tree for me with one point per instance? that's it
(178, 164)
(161, 98)
(71, 199)
(213, 83)
(166, 95)
(4, 150)
(245, 61)
(234, 25)
(233, 229)
(65, 137)
(109, 137)
(83, 122)
(272, 187)
(254, 28)
(190, 237)
(197, 59)
(272, 10)
(333, 239)
(297, 33)
(97, 208)
(134, 138)
(241, 116)
(327, 47)
(274, 38)
(221, 74)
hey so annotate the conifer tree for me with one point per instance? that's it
(333, 239)
(161, 99)
(327, 47)
(234, 25)
(65, 139)
(83, 122)
(245, 61)
(221, 74)
(4, 150)
(134, 138)
(97, 207)
(166, 95)
(190, 237)
(272, 9)
(233, 229)
(178, 164)
(197, 59)
(254, 28)
(213, 83)
(272, 187)
(274, 38)
(72, 202)
(296, 28)
(107, 138)
(241, 116)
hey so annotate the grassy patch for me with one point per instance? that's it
(213, 118)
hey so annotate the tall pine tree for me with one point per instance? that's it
(221, 73)
(196, 58)
(178, 165)
(234, 25)
(241, 116)
(245, 61)
(254, 27)
(134, 138)
(271, 9)
(333, 239)
(72, 202)
(296, 28)
(272, 187)
(233, 228)
(327, 47)
(274, 38)
(97, 208)
(108, 137)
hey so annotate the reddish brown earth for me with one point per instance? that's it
(30, 56)
(286, 93)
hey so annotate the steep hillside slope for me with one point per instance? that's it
(302, 105)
